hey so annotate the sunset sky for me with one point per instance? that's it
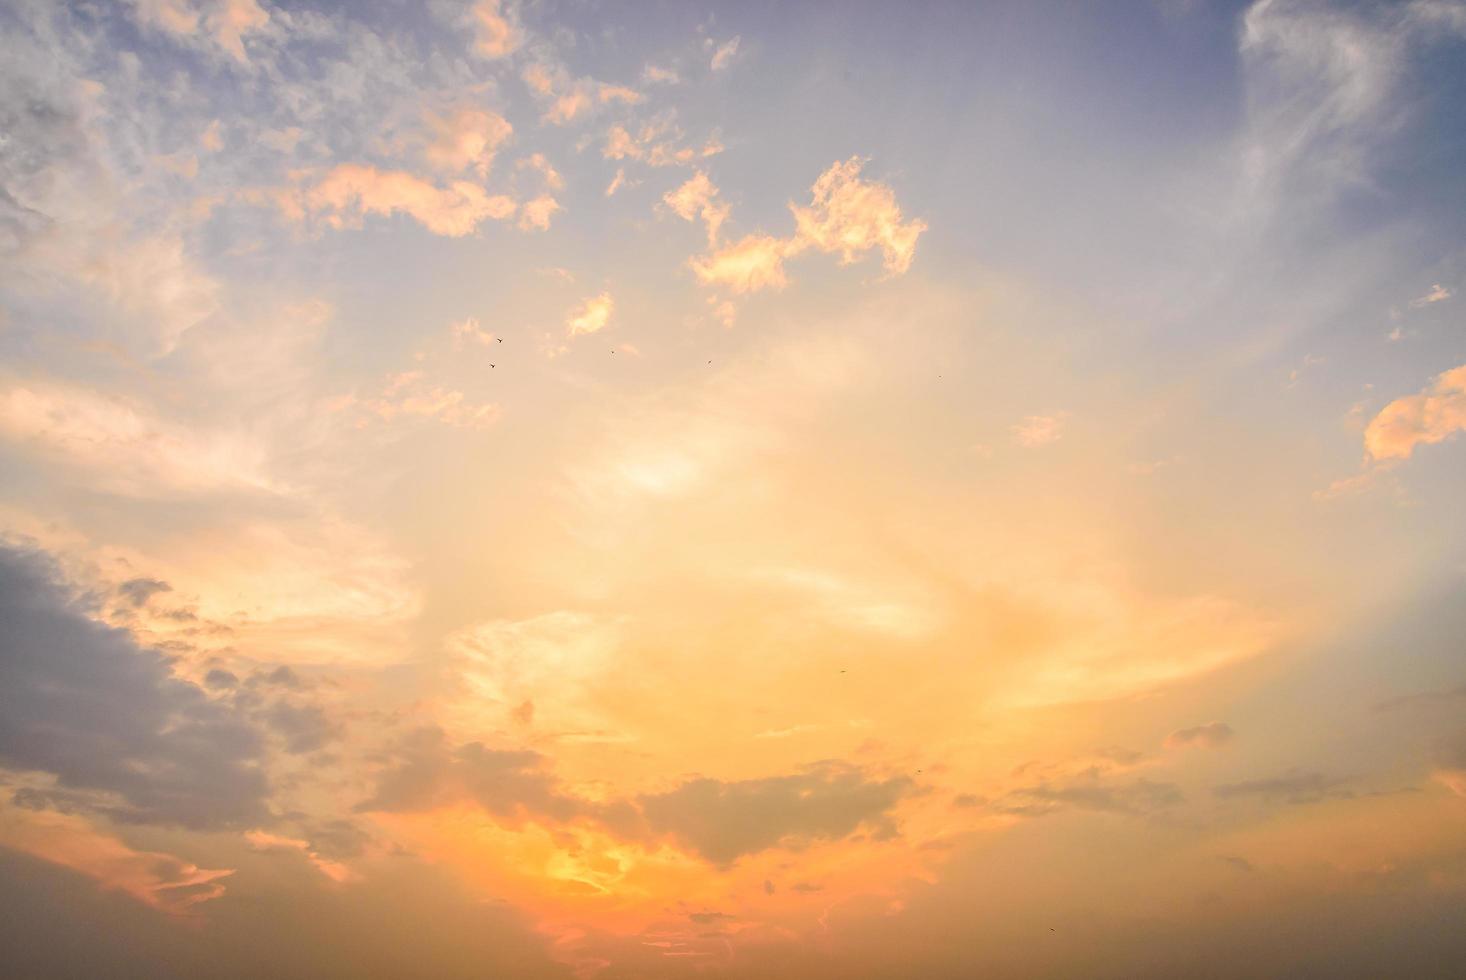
(589, 490)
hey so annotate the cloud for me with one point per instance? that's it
(1437, 294)
(657, 144)
(495, 34)
(425, 772)
(351, 190)
(262, 840)
(466, 138)
(535, 214)
(657, 75)
(724, 54)
(1450, 763)
(123, 449)
(469, 331)
(753, 263)
(846, 215)
(225, 23)
(1292, 787)
(165, 882)
(1212, 735)
(1089, 790)
(723, 821)
(852, 216)
(1039, 430)
(553, 661)
(697, 198)
(84, 703)
(540, 163)
(590, 316)
(567, 98)
(304, 727)
(1433, 415)
(408, 394)
(136, 592)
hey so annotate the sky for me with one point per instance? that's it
(592, 490)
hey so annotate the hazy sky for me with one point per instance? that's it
(571, 489)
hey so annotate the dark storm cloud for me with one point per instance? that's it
(723, 821)
(85, 703)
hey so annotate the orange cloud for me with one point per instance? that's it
(162, 881)
(352, 190)
(1431, 416)
(495, 36)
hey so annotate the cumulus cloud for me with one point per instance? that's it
(657, 144)
(846, 215)
(350, 191)
(535, 214)
(540, 163)
(495, 33)
(698, 198)
(1433, 415)
(1212, 735)
(750, 264)
(85, 704)
(851, 216)
(466, 138)
(590, 315)
(567, 98)
(225, 23)
(723, 821)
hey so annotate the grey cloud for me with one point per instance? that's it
(1292, 787)
(305, 728)
(426, 771)
(85, 703)
(137, 591)
(723, 821)
(1138, 797)
(220, 678)
(1212, 735)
